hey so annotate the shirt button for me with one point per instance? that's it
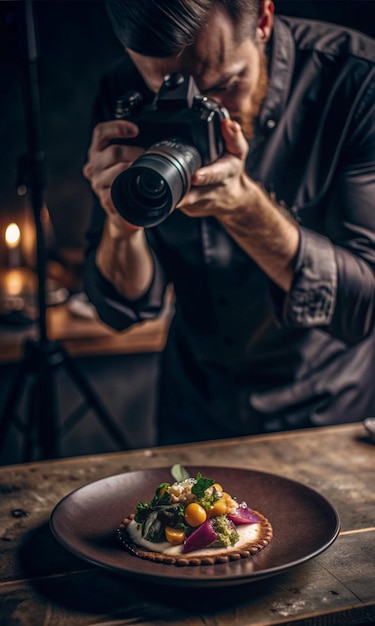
(270, 124)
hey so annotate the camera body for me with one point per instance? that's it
(178, 111)
(181, 131)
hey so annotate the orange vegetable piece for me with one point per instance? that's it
(220, 507)
(195, 515)
(175, 536)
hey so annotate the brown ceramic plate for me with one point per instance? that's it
(304, 525)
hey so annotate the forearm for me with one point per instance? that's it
(324, 285)
(265, 232)
(125, 261)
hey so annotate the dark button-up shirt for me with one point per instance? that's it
(242, 356)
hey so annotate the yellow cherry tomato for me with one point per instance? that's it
(195, 515)
(217, 486)
(175, 536)
(226, 495)
(219, 507)
(228, 499)
(230, 502)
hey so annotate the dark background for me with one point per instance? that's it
(76, 44)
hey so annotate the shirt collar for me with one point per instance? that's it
(281, 51)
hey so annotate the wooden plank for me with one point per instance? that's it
(95, 596)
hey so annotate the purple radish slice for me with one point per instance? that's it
(204, 536)
(243, 515)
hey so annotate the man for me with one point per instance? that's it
(271, 253)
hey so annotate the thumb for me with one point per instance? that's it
(235, 142)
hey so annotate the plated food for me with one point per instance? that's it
(194, 521)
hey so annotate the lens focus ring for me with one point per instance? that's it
(147, 192)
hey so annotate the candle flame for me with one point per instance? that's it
(12, 235)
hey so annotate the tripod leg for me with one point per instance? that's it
(30, 442)
(42, 417)
(49, 435)
(13, 399)
(95, 402)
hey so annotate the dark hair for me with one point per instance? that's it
(163, 28)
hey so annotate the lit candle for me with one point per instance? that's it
(12, 241)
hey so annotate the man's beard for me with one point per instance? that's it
(247, 118)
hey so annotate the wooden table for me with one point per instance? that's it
(43, 584)
(80, 335)
(88, 337)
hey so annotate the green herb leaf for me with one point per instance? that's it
(179, 473)
(143, 506)
(161, 495)
(201, 485)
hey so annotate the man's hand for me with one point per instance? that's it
(218, 188)
(122, 256)
(106, 160)
(252, 218)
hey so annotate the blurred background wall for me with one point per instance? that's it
(75, 46)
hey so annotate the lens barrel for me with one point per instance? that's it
(148, 191)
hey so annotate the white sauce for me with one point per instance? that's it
(248, 533)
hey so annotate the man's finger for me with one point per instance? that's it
(235, 142)
(106, 132)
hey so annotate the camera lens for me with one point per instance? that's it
(148, 191)
(144, 190)
(150, 185)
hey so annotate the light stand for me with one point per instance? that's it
(41, 427)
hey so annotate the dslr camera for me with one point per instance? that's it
(181, 131)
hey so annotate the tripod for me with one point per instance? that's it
(41, 358)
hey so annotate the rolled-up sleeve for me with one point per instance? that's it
(112, 308)
(115, 310)
(311, 300)
(334, 282)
